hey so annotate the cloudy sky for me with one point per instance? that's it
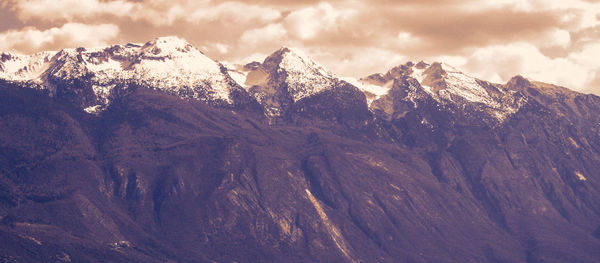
(556, 41)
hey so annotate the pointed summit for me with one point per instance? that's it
(294, 61)
(285, 77)
(303, 76)
(518, 82)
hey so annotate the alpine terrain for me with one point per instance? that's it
(157, 153)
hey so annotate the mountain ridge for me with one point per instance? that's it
(303, 76)
(412, 165)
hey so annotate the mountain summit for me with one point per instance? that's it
(169, 64)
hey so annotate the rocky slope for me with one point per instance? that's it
(289, 163)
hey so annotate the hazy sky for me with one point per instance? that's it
(556, 41)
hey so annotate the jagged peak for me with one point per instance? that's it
(302, 75)
(421, 65)
(290, 51)
(294, 60)
(448, 85)
(376, 78)
(251, 66)
(435, 70)
(518, 82)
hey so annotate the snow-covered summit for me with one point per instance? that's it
(449, 86)
(167, 46)
(170, 64)
(303, 76)
(285, 77)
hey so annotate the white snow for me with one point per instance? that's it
(168, 63)
(95, 65)
(419, 75)
(304, 76)
(460, 85)
(580, 176)
(19, 67)
(237, 73)
(172, 63)
(449, 68)
(377, 90)
(93, 109)
(102, 92)
(239, 77)
(467, 88)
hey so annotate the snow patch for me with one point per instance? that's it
(376, 90)
(93, 109)
(304, 76)
(19, 67)
(580, 176)
(461, 88)
(238, 74)
(467, 87)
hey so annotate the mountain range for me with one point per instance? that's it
(157, 153)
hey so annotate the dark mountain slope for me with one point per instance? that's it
(157, 178)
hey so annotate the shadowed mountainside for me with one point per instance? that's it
(156, 178)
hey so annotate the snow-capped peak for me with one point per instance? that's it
(295, 59)
(303, 76)
(170, 64)
(448, 85)
(446, 82)
(286, 76)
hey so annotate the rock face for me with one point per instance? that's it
(282, 161)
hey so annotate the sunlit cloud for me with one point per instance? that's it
(309, 22)
(499, 63)
(28, 40)
(264, 34)
(70, 10)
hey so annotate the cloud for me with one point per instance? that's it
(454, 30)
(555, 37)
(69, 35)
(70, 10)
(230, 12)
(499, 63)
(308, 23)
(346, 61)
(219, 48)
(157, 13)
(269, 33)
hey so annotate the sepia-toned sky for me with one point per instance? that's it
(556, 41)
